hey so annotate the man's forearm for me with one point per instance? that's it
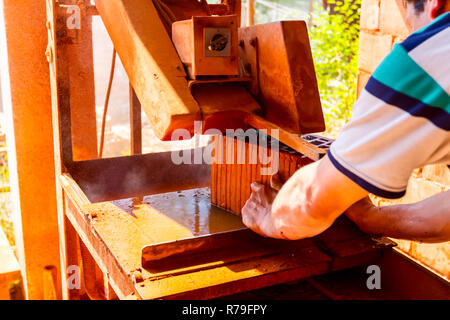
(311, 200)
(427, 221)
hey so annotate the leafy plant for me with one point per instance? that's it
(334, 41)
(5, 219)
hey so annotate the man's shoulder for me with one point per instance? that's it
(432, 32)
(415, 76)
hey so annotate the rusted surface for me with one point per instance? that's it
(201, 244)
(128, 225)
(73, 111)
(27, 106)
(224, 105)
(402, 279)
(291, 139)
(211, 281)
(115, 232)
(217, 80)
(157, 74)
(138, 175)
(171, 11)
(194, 41)
(410, 279)
(278, 56)
(135, 123)
(79, 57)
(153, 67)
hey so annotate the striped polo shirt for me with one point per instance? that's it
(402, 119)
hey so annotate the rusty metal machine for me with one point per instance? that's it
(149, 228)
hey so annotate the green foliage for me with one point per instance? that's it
(5, 219)
(334, 40)
(281, 10)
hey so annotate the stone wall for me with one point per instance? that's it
(383, 25)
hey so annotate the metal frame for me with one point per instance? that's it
(81, 182)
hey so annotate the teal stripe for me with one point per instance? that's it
(401, 73)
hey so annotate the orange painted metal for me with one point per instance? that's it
(177, 10)
(135, 123)
(79, 57)
(73, 110)
(278, 57)
(9, 267)
(152, 64)
(224, 105)
(194, 41)
(30, 141)
(115, 232)
(292, 140)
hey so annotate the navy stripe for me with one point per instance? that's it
(416, 39)
(416, 108)
(363, 183)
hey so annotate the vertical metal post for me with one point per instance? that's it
(27, 104)
(135, 123)
(70, 56)
(250, 12)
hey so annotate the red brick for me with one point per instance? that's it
(433, 255)
(370, 14)
(438, 173)
(392, 20)
(419, 189)
(362, 79)
(372, 50)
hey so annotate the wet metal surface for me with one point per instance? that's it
(120, 229)
(190, 210)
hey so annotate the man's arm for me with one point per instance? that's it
(427, 221)
(307, 204)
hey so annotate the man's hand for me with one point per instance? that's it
(258, 209)
(307, 204)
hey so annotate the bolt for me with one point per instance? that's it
(138, 278)
(242, 44)
(253, 42)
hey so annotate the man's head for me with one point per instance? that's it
(420, 13)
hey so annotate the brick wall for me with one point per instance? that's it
(383, 25)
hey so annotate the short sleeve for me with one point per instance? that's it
(401, 121)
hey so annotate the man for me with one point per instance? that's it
(401, 122)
